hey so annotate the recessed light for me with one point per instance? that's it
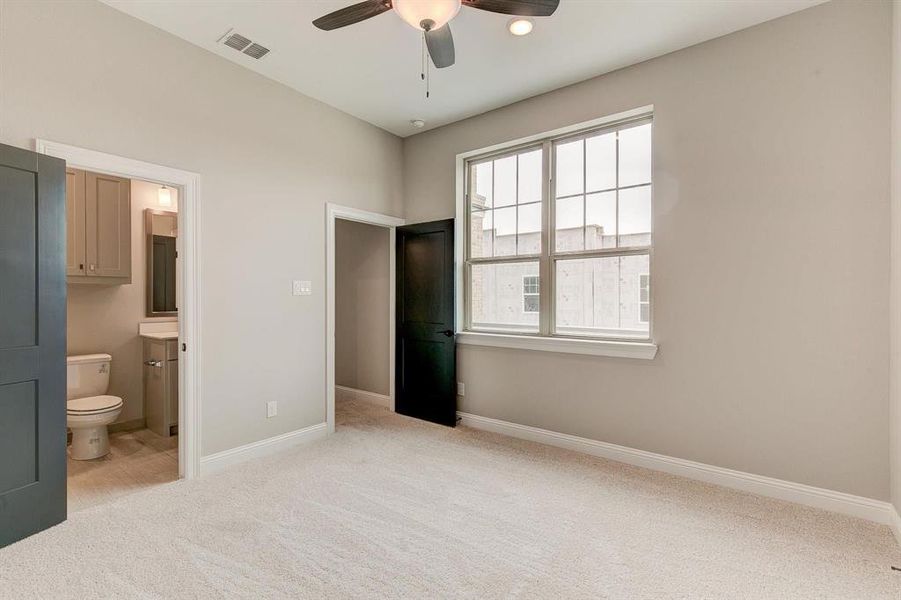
(417, 123)
(520, 26)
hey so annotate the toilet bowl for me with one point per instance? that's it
(88, 409)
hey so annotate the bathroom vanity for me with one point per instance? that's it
(161, 382)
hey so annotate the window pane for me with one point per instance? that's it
(569, 168)
(600, 162)
(635, 155)
(481, 233)
(529, 229)
(530, 177)
(505, 231)
(600, 221)
(505, 181)
(569, 228)
(601, 296)
(481, 195)
(497, 297)
(635, 217)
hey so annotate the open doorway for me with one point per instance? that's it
(362, 298)
(360, 306)
(133, 311)
(121, 336)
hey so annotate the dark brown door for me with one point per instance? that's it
(32, 343)
(426, 353)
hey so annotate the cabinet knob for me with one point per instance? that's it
(81, 266)
(92, 267)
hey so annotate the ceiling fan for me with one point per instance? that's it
(432, 16)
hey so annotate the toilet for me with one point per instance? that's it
(88, 409)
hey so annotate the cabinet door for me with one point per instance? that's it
(172, 377)
(108, 226)
(75, 222)
(155, 387)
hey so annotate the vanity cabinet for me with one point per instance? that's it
(98, 224)
(161, 385)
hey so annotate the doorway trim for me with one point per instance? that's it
(188, 245)
(333, 212)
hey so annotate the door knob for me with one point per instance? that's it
(448, 332)
(154, 363)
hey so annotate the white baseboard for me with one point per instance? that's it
(840, 502)
(342, 391)
(226, 458)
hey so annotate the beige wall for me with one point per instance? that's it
(361, 306)
(771, 255)
(104, 318)
(82, 73)
(895, 418)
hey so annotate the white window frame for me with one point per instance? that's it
(525, 293)
(544, 340)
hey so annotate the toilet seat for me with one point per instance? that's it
(93, 405)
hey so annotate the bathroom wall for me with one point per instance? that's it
(361, 306)
(105, 318)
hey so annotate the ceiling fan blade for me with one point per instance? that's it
(440, 43)
(520, 8)
(352, 14)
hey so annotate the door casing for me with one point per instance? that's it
(188, 184)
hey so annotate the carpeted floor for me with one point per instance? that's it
(389, 507)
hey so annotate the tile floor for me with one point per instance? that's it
(137, 460)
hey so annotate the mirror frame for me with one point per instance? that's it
(148, 251)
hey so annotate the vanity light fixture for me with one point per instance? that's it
(165, 198)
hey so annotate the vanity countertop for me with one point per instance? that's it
(160, 335)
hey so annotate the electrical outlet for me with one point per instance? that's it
(302, 288)
(461, 389)
(271, 409)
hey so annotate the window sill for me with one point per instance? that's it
(639, 350)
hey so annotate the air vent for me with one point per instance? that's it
(256, 51)
(243, 44)
(237, 41)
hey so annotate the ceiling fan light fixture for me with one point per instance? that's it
(415, 12)
(520, 26)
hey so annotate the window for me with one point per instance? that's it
(559, 236)
(530, 294)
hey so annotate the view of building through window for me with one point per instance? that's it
(599, 271)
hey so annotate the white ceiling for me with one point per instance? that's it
(371, 69)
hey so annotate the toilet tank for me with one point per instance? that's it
(87, 375)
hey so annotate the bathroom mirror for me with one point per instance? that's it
(161, 228)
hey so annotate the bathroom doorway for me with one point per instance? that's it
(133, 298)
(122, 336)
(360, 305)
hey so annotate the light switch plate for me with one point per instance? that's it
(271, 408)
(302, 288)
(461, 389)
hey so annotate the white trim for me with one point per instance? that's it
(642, 350)
(226, 458)
(363, 396)
(840, 502)
(189, 392)
(332, 213)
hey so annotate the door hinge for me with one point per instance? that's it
(184, 347)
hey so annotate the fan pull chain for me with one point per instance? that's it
(425, 70)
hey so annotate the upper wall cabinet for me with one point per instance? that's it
(98, 219)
